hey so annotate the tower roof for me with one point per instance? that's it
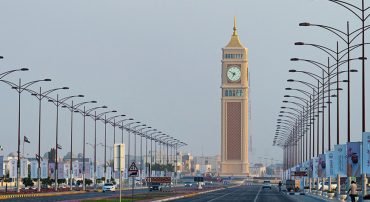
(235, 41)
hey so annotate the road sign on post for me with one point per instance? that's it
(133, 170)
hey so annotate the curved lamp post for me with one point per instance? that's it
(57, 103)
(20, 88)
(40, 96)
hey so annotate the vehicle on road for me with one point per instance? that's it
(155, 186)
(189, 184)
(266, 184)
(109, 187)
(292, 185)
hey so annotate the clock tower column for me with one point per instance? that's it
(234, 108)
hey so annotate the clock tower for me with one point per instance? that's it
(234, 108)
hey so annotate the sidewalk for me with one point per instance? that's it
(325, 198)
(44, 194)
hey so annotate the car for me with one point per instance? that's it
(266, 184)
(189, 184)
(155, 186)
(109, 187)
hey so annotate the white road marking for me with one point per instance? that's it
(255, 199)
(222, 196)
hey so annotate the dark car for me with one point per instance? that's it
(155, 186)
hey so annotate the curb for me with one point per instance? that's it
(296, 193)
(2, 197)
(193, 194)
(323, 198)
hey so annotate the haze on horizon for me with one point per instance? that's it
(157, 62)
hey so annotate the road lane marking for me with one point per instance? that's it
(222, 196)
(255, 199)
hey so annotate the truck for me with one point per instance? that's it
(291, 185)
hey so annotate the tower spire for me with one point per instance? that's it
(235, 33)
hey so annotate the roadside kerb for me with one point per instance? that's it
(193, 194)
(39, 194)
(322, 198)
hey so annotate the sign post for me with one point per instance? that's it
(132, 172)
(119, 164)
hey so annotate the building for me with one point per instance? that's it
(187, 163)
(207, 164)
(234, 108)
(257, 170)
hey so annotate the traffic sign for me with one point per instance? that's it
(159, 179)
(133, 170)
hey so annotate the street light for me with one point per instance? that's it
(74, 108)
(134, 132)
(2, 75)
(155, 144)
(129, 132)
(57, 103)
(120, 124)
(105, 139)
(40, 96)
(146, 149)
(20, 88)
(346, 37)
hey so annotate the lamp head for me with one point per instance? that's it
(285, 101)
(286, 95)
(298, 43)
(292, 70)
(114, 111)
(288, 88)
(22, 69)
(353, 70)
(93, 101)
(104, 107)
(304, 24)
(65, 88)
(80, 96)
(294, 59)
(47, 79)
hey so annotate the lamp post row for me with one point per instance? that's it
(20, 87)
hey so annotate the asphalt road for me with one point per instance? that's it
(125, 194)
(250, 193)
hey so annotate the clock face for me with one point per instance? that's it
(233, 73)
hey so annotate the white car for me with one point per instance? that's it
(266, 184)
(109, 187)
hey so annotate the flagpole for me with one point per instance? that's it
(23, 147)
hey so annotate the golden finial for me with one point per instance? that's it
(235, 33)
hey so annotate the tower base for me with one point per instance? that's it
(229, 168)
